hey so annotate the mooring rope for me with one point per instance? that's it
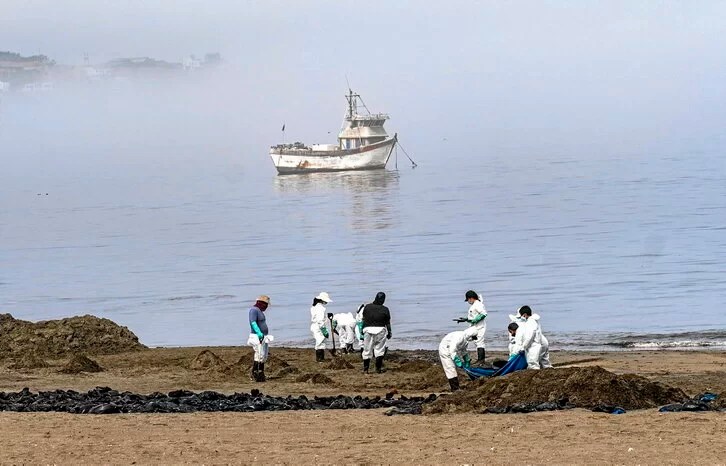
(413, 164)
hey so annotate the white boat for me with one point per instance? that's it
(363, 144)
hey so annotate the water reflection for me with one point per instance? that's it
(370, 194)
(353, 181)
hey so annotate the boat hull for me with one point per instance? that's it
(371, 157)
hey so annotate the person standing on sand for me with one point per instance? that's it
(453, 353)
(534, 344)
(259, 339)
(376, 329)
(476, 317)
(318, 325)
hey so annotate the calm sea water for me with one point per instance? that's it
(611, 249)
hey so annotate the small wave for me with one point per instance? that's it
(184, 298)
(710, 339)
(222, 296)
(668, 344)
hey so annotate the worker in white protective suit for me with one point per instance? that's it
(376, 332)
(359, 323)
(453, 353)
(534, 344)
(344, 326)
(476, 317)
(318, 324)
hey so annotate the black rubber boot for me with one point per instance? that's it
(379, 364)
(261, 372)
(319, 355)
(366, 365)
(349, 348)
(454, 384)
(481, 355)
(255, 368)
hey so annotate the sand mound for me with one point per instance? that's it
(61, 338)
(285, 371)
(28, 361)
(582, 387)
(81, 363)
(208, 361)
(432, 378)
(338, 364)
(415, 366)
(316, 378)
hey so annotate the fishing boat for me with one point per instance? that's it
(363, 144)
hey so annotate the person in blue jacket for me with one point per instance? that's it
(259, 339)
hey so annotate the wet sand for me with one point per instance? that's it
(575, 436)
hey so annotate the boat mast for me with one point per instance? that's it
(352, 104)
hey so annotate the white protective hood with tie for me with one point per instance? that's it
(530, 339)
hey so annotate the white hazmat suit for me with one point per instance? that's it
(317, 323)
(535, 345)
(477, 317)
(454, 345)
(359, 322)
(374, 342)
(515, 342)
(346, 327)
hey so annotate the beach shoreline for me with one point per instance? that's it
(356, 436)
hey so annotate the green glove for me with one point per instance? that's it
(258, 332)
(478, 318)
(458, 362)
(467, 361)
(360, 330)
(324, 331)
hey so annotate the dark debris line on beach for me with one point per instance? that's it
(104, 400)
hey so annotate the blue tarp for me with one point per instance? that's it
(517, 363)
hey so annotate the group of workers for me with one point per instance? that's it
(525, 337)
(371, 326)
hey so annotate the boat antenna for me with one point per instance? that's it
(351, 104)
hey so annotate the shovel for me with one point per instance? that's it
(332, 334)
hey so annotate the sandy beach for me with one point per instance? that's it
(355, 436)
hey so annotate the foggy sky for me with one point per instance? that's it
(476, 73)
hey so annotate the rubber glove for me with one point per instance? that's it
(521, 351)
(467, 361)
(258, 332)
(360, 330)
(477, 318)
(458, 362)
(324, 331)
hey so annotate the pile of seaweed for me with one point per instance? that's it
(81, 363)
(55, 339)
(103, 400)
(551, 389)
